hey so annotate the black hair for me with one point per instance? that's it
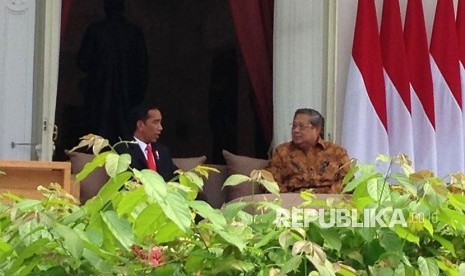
(316, 119)
(141, 113)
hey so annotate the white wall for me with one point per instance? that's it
(29, 49)
(299, 62)
(17, 20)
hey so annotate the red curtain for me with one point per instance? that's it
(66, 6)
(253, 20)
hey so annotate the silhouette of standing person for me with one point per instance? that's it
(114, 56)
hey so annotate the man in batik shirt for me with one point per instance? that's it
(308, 161)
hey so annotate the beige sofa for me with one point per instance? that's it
(213, 191)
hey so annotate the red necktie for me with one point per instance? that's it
(150, 160)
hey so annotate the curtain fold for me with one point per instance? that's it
(253, 21)
(66, 6)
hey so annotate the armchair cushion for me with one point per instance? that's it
(238, 164)
(189, 163)
(90, 185)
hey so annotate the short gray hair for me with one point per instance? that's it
(315, 118)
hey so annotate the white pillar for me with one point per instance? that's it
(299, 61)
(50, 51)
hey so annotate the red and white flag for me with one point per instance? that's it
(399, 118)
(364, 129)
(422, 97)
(445, 70)
(461, 39)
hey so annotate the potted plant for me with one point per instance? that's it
(140, 225)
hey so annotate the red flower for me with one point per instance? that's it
(156, 256)
(153, 257)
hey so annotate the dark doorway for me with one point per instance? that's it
(196, 76)
(222, 104)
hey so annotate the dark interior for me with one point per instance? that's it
(196, 76)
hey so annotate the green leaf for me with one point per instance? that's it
(345, 270)
(99, 233)
(110, 190)
(321, 263)
(149, 220)
(23, 254)
(98, 161)
(177, 209)
(130, 200)
(194, 263)
(97, 262)
(356, 256)
(230, 210)
(446, 244)
(366, 173)
(94, 237)
(231, 264)
(27, 268)
(462, 269)
(270, 186)
(169, 269)
(236, 179)
(191, 181)
(307, 195)
(154, 185)
(351, 172)
(191, 177)
(74, 217)
(383, 158)
(5, 247)
(285, 239)
(28, 204)
(268, 238)
(367, 233)
(362, 202)
(390, 240)
(116, 164)
(99, 144)
(406, 234)
(168, 232)
(332, 238)
(404, 182)
(452, 217)
(428, 226)
(428, 266)
(120, 228)
(449, 268)
(400, 270)
(72, 241)
(232, 239)
(457, 200)
(378, 189)
(206, 211)
(291, 265)
(433, 194)
(381, 271)
(205, 170)
(371, 252)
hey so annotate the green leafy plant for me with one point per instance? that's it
(138, 224)
(428, 240)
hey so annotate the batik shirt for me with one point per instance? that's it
(322, 168)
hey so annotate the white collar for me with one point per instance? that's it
(142, 145)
